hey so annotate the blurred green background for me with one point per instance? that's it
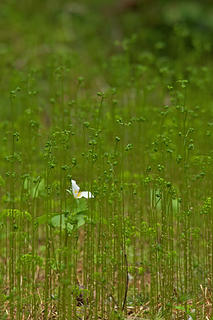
(105, 42)
(33, 30)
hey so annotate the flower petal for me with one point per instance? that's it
(86, 194)
(75, 188)
(79, 195)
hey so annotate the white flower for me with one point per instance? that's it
(192, 311)
(77, 193)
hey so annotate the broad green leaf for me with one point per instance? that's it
(61, 220)
(45, 218)
(80, 220)
(81, 206)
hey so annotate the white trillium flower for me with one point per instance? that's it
(192, 311)
(77, 193)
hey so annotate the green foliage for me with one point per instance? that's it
(34, 187)
(61, 221)
(16, 214)
(127, 113)
(69, 220)
(206, 207)
(28, 259)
